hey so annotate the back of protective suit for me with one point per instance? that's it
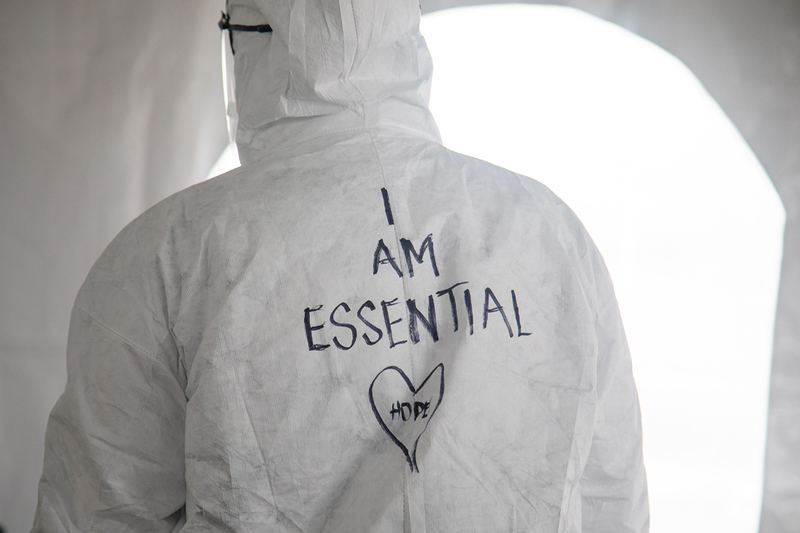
(358, 330)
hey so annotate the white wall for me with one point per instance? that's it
(105, 108)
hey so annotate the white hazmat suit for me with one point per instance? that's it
(358, 330)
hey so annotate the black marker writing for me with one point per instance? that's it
(387, 207)
(409, 251)
(353, 331)
(449, 292)
(399, 409)
(389, 323)
(429, 324)
(497, 308)
(405, 420)
(345, 332)
(520, 333)
(468, 303)
(369, 305)
(419, 410)
(377, 261)
(309, 329)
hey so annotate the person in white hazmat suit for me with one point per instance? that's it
(358, 330)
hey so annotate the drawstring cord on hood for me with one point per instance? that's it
(225, 24)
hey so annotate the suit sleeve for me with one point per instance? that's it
(614, 485)
(114, 446)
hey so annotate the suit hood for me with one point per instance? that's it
(328, 65)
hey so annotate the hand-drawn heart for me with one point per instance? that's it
(403, 411)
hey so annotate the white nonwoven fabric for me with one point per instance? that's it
(358, 330)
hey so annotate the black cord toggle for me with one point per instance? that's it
(225, 24)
